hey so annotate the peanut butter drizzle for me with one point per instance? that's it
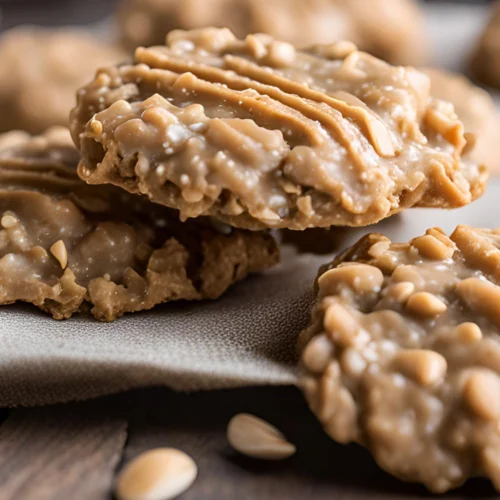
(343, 140)
(383, 145)
(293, 94)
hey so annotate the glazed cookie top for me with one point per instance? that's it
(66, 246)
(403, 354)
(393, 31)
(40, 69)
(262, 135)
(475, 107)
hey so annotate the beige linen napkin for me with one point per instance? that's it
(246, 338)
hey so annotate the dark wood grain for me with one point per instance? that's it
(59, 453)
(71, 452)
(320, 470)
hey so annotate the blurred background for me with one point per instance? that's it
(453, 26)
(54, 12)
(40, 70)
(77, 12)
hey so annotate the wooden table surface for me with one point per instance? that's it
(74, 451)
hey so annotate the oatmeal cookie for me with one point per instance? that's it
(261, 135)
(403, 354)
(66, 246)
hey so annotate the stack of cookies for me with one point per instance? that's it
(189, 157)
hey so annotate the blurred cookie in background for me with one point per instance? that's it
(476, 109)
(40, 70)
(485, 61)
(391, 30)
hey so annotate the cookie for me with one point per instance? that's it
(40, 70)
(68, 247)
(475, 107)
(261, 135)
(485, 60)
(403, 354)
(393, 31)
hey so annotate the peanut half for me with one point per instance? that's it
(58, 250)
(8, 221)
(257, 438)
(160, 474)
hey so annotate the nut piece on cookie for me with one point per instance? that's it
(393, 31)
(475, 107)
(40, 69)
(67, 247)
(261, 135)
(403, 354)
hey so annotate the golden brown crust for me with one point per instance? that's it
(260, 135)
(402, 354)
(67, 247)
